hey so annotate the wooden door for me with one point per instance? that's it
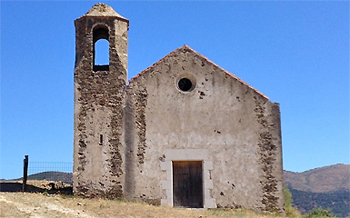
(188, 184)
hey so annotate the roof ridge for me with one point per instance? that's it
(229, 73)
(103, 10)
(157, 63)
(205, 58)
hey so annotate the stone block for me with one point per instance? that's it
(208, 184)
(209, 203)
(186, 154)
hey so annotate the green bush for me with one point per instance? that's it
(288, 200)
(319, 213)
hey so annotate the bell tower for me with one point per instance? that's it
(98, 103)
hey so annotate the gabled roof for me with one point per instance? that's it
(103, 10)
(186, 48)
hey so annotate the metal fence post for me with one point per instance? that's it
(25, 173)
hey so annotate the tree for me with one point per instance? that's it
(288, 200)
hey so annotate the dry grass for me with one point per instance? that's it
(43, 205)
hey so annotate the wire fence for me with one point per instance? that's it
(53, 171)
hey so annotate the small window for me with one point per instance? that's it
(101, 140)
(185, 84)
(101, 48)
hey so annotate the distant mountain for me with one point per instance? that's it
(326, 187)
(319, 180)
(337, 201)
(51, 176)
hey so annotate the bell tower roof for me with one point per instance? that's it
(103, 10)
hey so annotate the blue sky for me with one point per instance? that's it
(295, 52)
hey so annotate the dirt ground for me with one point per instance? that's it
(17, 204)
(43, 201)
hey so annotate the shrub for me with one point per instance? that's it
(288, 200)
(319, 213)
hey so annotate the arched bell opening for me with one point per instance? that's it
(101, 48)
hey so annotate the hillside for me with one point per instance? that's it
(319, 180)
(337, 201)
(51, 176)
(326, 187)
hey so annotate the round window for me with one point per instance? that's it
(184, 84)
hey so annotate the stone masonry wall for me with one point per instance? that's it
(99, 111)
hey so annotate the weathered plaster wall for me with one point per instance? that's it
(126, 136)
(221, 114)
(99, 110)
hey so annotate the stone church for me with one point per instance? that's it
(183, 132)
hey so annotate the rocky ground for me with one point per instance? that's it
(50, 187)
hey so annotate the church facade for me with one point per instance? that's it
(184, 132)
